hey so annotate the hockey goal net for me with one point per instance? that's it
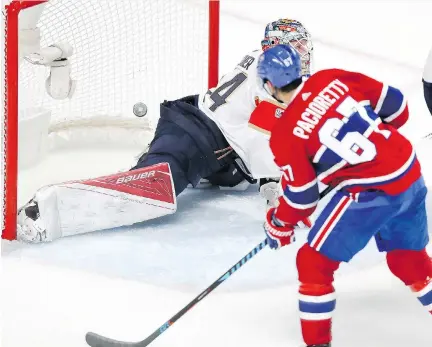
(124, 52)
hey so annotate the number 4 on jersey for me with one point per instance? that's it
(221, 93)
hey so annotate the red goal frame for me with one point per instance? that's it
(10, 123)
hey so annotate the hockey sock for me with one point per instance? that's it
(317, 295)
(414, 268)
(423, 291)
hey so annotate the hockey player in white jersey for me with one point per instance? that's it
(220, 135)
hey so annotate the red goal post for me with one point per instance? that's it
(124, 51)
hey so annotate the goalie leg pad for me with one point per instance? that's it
(106, 202)
(178, 171)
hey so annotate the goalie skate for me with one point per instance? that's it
(30, 227)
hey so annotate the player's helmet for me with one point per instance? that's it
(290, 32)
(280, 65)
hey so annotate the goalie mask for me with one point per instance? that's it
(293, 33)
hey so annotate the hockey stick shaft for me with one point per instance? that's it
(95, 340)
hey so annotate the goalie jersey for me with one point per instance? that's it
(340, 129)
(245, 113)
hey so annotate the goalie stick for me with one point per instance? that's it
(95, 340)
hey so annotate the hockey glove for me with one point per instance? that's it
(278, 233)
(305, 223)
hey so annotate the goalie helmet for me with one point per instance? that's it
(290, 32)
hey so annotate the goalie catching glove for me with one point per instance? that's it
(269, 190)
(280, 234)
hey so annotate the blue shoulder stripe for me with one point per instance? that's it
(393, 101)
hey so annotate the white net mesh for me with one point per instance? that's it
(125, 51)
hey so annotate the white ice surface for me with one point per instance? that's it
(126, 282)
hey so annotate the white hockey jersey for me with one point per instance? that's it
(240, 107)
